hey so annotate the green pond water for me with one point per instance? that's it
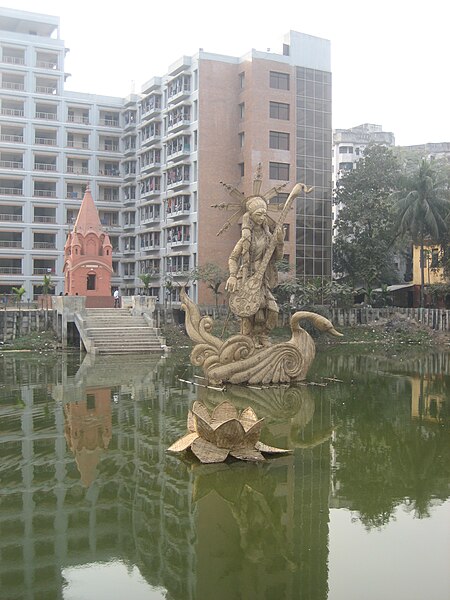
(93, 507)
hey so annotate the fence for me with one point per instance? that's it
(435, 318)
(15, 323)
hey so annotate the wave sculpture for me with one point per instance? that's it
(239, 360)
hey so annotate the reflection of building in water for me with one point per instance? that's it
(138, 505)
(428, 400)
(141, 506)
(88, 430)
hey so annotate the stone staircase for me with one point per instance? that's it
(117, 331)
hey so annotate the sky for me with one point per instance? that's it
(389, 58)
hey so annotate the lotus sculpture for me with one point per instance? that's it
(224, 432)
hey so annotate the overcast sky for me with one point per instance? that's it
(389, 57)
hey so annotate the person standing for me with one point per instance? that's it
(116, 299)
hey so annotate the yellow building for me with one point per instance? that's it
(433, 274)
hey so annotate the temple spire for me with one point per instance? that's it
(88, 219)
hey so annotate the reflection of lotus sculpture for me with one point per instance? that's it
(213, 437)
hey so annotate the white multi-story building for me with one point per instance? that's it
(349, 146)
(154, 161)
(52, 143)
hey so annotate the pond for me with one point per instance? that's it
(94, 507)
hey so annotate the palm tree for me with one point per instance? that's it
(18, 293)
(422, 209)
(145, 278)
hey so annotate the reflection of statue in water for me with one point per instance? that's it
(246, 260)
(249, 357)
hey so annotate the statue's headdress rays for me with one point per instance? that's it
(241, 205)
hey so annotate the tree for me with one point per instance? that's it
(363, 252)
(145, 278)
(18, 294)
(315, 292)
(211, 274)
(47, 285)
(422, 211)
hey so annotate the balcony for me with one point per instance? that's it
(12, 59)
(10, 137)
(173, 184)
(178, 119)
(150, 247)
(47, 116)
(153, 273)
(179, 242)
(12, 112)
(5, 270)
(13, 85)
(179, 272)
(46, 89)
(47, 64)
(178, 89)
(109, 194)
(78, 144)
(10, 216)
(44, 193)
(44, 270)
(178, 211)
(11, 191)
(44, 219)
(10, 243)
(11, 164)
(109, 172)
(44, 241)
(109, 122)
(44, 245)
(150, 218)
(151, 106)
(75, 170)
(44, 166)
(129, 148)
(109, 147)
(79, 119)
(44, 141)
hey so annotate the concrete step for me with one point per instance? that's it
(124, 350)
(116, 331)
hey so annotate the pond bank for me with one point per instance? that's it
(385, 335)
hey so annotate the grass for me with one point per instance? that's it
(37, 341)
(396, 334)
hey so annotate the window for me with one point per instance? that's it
(278, 140)
(241, 110)
(279, 198)
(241, 169)
(90, 284)
(241, 139)
(279, 171)
(279, 110)
(279, 81)
(434, 258)
(241, 80)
